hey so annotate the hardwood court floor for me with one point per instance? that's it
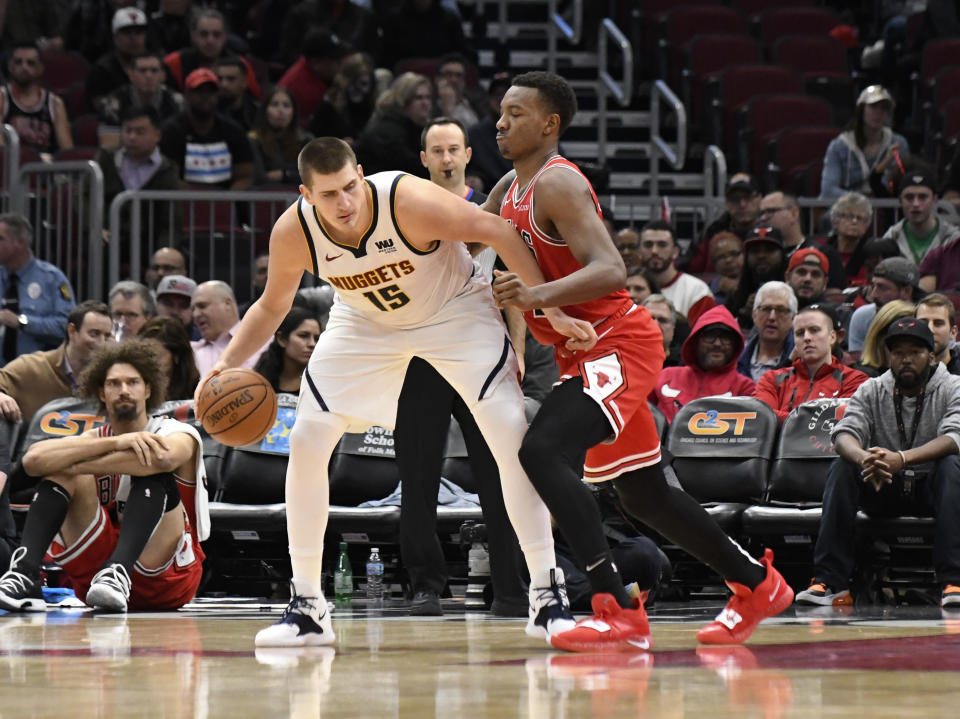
(200, 662)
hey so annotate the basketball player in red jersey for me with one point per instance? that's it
(599, 408)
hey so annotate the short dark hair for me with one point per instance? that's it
(79, 313)
(453, 57)
(141, 354)
(660, 226)
(443, 120)
(938, 299)
(232, 61)
(324, 156)
(554, 91)
(26, 45)
(135, 112)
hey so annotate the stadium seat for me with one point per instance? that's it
(736, 86)
(793, 149)
(823, 63)
(85, 130)
(783, 21)
(363, 468)
(760, 119)
(680, 25)
(721, 449)
(706, 57)
(753, 8)
(63, 69)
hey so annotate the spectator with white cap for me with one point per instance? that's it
(112, 70)
(869, 147)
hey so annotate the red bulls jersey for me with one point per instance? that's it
(554, 257)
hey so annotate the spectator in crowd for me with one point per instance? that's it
(74, 519)
(146, 88)
(641, 284)
(865, 150)
(37, 296)
(89, 27)
(138, 164)
(422, 29)
(131, 305)
(710, 356)
(208, 38)
(215, 314)
(893, 278)
(235, 100)
(113, 69)
(815, 373)
(658, 252)
(277, 139)
(165, 261)
(210, 149)
(726, 256)
(286, 357)
(175, 299)
(627, 241)
(669, 321)
(391, 138)
(780, 210)
(940, 267)
(169, 27)
(940, 314)
(31, 380)
(37, 21)
(742, 200)
(851, 216)
(454, 98)
(920, 230)
(807, 274)
(887, 472)
(312, 74)
(38, 115)
(352, 22)
(770, 347)
(175, 355)
(349, 102)
(260, 264)
(874, 360)
(488, 164)
(764, 261)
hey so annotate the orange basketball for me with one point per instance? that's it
(237, 407)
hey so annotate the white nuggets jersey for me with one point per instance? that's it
(383, 276)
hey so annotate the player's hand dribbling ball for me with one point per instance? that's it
(237, 407)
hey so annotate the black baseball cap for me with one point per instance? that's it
(742, 183)
(827, 308)
(764, 234)
(909, 327)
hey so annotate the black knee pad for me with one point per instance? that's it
(165, 482)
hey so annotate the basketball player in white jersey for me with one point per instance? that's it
(393, 247)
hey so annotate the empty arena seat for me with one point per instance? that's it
(760, 119)
(793, 149)
(363, 468)
(721, 448)
(782, 21)
(805, 451)
(706, 56)
(680, 25)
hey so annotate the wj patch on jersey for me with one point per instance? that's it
(385, 247)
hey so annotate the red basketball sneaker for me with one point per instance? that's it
(611, 629)
(747, 609)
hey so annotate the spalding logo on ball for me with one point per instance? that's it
(237, 407)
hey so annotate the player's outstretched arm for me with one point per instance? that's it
(289, 257)
(495, 197)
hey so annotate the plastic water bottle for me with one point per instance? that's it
(343, 578)
(478, 574)
(375, 576)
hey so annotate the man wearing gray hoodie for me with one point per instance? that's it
(898, 443)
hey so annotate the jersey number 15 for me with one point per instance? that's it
(387, 298)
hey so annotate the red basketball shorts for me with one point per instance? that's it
(618, 374)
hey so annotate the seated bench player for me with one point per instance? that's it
(121, 508)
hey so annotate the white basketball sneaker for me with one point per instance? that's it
(305, 622)
(549, 612)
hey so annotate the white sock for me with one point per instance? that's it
(312, 442)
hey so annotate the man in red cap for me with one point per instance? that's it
(807, 275)
(209, 148)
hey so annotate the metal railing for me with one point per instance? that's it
(64, 203)
(660, 147)
(10, 166)
(607, 84)
(220, 231)
(714, 172)
(557, 24)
